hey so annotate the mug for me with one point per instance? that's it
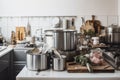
(95, 40)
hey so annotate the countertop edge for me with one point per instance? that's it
(51, 74)
(8, 49)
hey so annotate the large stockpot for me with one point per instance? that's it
(69, 40)
(61, 39)
(54, 38)
(112, 34)
(49, 38)
(37, 61)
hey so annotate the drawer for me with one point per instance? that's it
(3, 65)
(19, 55)
(18, 66)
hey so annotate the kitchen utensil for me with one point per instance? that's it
(28, 29)
(62, 39)
(49, 39)
(56, 22)
(67, 24)
(20, 33)
(83, 21)
(40, 35)
(45, 49)
(58, 39)
(69, 40)
(57, 54)
(96, 25)
(37, 61)
(89, 67)
(72, 27)
(112, 34)
(54, 38)
(73, 67)
(59, 64)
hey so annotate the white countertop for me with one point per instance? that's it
(5, 51)
(26, 74)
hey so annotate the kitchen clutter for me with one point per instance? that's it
(62, 49)
(65, 49)
(59, 61)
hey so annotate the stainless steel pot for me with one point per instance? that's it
(69, 40)
(62, 39)
(112, 34)
(54, 38)
(58, 39)
(49, 39)
(59, 64)
(36, 61)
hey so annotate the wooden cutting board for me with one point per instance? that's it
(20, 33)
(73, 67)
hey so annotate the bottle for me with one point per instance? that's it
(28, 29)
(13, 38)
(67, 24)
(72, 27)
(4, 42)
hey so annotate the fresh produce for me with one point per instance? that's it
(96, 57)
(84, 61)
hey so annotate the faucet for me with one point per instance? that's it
(41, 37)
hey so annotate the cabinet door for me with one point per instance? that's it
(19, 55)
(4, 67)
(4, 62)
(18, 66)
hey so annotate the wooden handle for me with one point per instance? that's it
(93, 17)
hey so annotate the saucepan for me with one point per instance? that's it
(37, 61)
(59, 61)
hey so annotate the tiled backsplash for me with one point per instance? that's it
(8, 24)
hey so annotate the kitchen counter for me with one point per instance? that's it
(26, 74)
(6, 50)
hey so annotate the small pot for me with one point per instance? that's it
(37, 61)
(59, 64)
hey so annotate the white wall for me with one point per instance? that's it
(119, 11)
(57, 7)
(12, 10)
